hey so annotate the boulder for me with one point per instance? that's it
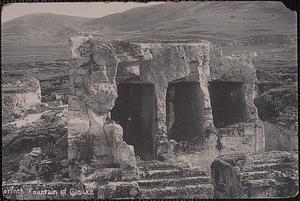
(122, 152)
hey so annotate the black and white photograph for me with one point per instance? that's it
(149, 100)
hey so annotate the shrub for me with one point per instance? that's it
(84, 146)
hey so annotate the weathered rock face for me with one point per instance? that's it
(278, 110)
(279, 105)
(18, 96)
(279, 138)
(100, 66)
(271, 174)
(172, 62)
(231, 68)
(93, 92)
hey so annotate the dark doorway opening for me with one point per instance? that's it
(227, 104)
(135, 111)
(183, 111)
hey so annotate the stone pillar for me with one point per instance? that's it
(78, 125)
(206, 107)
(251, 115)
(161, 124)
(259, 137)
(161, 91)
(248, 93)
(78, 122)
(170, 109)
(201, 69)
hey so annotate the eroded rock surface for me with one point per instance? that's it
(93, 92)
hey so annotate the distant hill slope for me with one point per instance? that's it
(40, 27)
(211, 20)
(40, 37)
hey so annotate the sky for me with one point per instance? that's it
(88, 9)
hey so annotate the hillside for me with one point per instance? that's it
(44, 36)
(212, 20)
(38, 37)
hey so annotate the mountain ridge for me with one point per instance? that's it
(219, 22)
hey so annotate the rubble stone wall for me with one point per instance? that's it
(18, 96)
(58, 85)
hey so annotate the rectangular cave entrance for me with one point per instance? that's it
(183, 110)
(227, 103)
(135, 111)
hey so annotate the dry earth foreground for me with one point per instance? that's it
(155, 119)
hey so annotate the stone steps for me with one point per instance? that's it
(260, 183)
(189, 191)
(261, 174)
(266, 167)
(254, 175)
(173, 182)
(156, 166)
(118, 190)
(193, 172)
(172, 173)
(163, 180)
(257, 162)
(163, 174)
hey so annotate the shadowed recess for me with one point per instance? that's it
(134, 110)
(227, 104)
(183, 110)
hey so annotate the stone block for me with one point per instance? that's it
(77, 125)
(119, 190)
(75, 103)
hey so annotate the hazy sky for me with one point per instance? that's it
(88, 9)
